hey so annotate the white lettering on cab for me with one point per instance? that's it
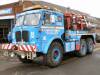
(32, 34)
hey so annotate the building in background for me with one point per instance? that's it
(8, 12)
(7, 17)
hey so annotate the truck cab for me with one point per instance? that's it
(38, 27)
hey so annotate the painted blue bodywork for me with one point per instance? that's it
(43, 35)
(40, 35)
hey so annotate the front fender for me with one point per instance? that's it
(46, 44)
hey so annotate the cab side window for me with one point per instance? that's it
(52, 19)
(59, 21)
(47, 19)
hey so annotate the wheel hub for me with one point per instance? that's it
(56, 55)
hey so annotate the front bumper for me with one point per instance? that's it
(24, 51)
(27, 48)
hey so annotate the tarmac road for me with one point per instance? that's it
(89, 65)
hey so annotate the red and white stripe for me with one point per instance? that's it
(20, 47)
(27, 48)
(6, 46)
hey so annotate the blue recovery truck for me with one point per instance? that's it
(49, 34)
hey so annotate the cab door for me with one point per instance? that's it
(51, 28)
(46, 31)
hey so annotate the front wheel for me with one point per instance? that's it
(54, 55)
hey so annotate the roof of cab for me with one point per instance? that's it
(37, 11)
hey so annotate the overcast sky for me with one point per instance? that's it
(91, 7)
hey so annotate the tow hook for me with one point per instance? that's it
(14, 47)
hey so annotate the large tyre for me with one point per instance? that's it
(83, 48)
(25, 61)
(54, 55)
(90, 45)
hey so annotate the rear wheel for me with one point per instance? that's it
(54, 55)
(83, 48)
(90, 46)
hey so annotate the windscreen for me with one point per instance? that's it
(32, 19)
(29, 19)
(19, 20)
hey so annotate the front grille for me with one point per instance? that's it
(25, 36)
(18, 36)
(22, 36)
